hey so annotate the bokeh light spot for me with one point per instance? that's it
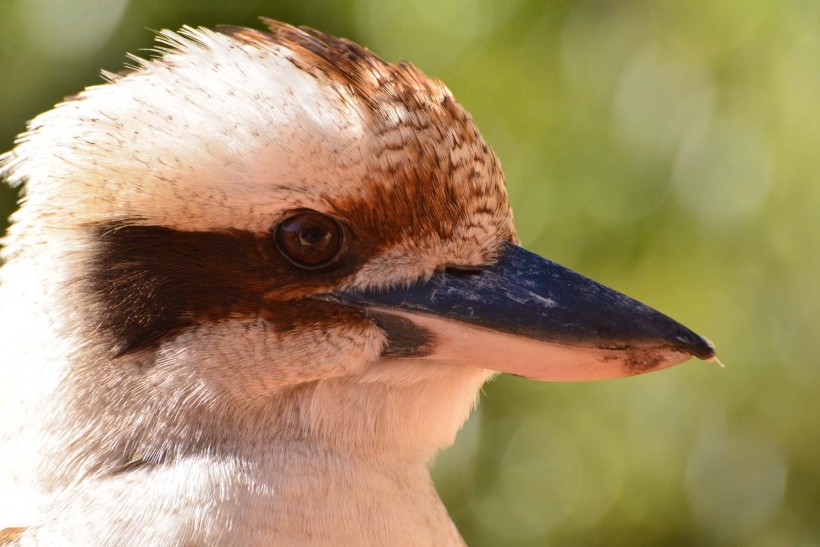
(723, 173)
(71, 28)
(539, 483)
(735, 482)
(659, 101)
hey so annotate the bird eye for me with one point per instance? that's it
(309, 240)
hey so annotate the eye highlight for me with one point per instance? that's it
(309, 240)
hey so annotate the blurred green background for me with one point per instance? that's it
(667, 148)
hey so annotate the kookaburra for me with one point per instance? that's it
(254, 285)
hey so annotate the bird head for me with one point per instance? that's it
(260, 238)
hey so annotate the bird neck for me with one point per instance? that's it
(331, 498)
(294, 494)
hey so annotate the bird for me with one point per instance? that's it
(255, 283)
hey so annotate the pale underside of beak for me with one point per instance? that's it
(527, 316)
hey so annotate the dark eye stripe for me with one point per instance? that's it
(153, 282)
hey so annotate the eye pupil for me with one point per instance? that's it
(309, 240)
(311, 236)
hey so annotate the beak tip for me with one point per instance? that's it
(699, 346)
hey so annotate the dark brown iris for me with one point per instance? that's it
(309, 239)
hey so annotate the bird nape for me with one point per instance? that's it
(254, 285)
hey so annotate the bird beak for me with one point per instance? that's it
(527, 316)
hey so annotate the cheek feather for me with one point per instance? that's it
(256, 358)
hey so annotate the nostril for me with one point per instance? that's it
(462, 271)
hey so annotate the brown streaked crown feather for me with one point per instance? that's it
(338, 59)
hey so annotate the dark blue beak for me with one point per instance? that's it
(527, 315)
